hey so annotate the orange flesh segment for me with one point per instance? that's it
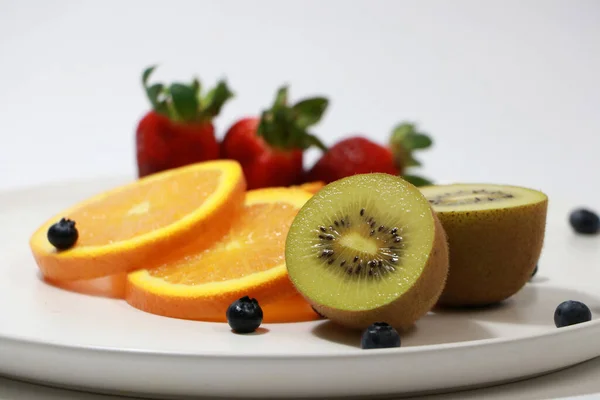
(255, 243)
(143, 208)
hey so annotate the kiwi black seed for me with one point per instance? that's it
(383, 256)
(463, 197)
(370, 265)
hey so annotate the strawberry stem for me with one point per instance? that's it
(185, 103)
(216, 98)
(287, 127)
(406, 139)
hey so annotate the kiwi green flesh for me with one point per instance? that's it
(473, 197)
(360, 242)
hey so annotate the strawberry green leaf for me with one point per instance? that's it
(216, 98)
(310, 111)
(184, 101)
(295, 137)
(146, 74)
(281, 97)
(310, 140)
(411, 161)
(197, 91)
(280, 120)
(417, 180)
(405, 139)
(417, 141)
(285, 127)
(154, 93)
(262, 125)
(402, 130)
(407, 135)
(266, 128)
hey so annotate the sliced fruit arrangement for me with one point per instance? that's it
(139, 223)
(360, 155)
(247, 261)
(368, 248)
(271, 148)
(179, 129)
(369, 251)
(353, 239)
(495, 235)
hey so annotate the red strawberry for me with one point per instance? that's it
(359, 155)
(270, 148)
(178, 130)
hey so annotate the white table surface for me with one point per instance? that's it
(509, 90)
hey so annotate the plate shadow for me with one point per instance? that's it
(429, 330)
(532, 305)
(332, 332)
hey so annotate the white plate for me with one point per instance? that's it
(56, 337)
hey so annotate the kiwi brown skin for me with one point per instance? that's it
(403, 312)
(492, 252)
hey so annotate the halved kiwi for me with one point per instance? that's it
(368, 248)
(495, 235)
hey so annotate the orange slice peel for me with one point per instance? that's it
(112, 287)
(290, 309)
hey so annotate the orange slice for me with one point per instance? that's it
(288, 309)
(249, 260)
(312, 187)
(144, 222)
(112, 286)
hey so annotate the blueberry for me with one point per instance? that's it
(571, 312)
(244, 315)
(380, 335)
(584, 221)
(535, 270)
(63, 234)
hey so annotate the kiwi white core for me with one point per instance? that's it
(355, 241)
(376, 217)
(474, 196)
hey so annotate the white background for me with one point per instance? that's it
(510, 90)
